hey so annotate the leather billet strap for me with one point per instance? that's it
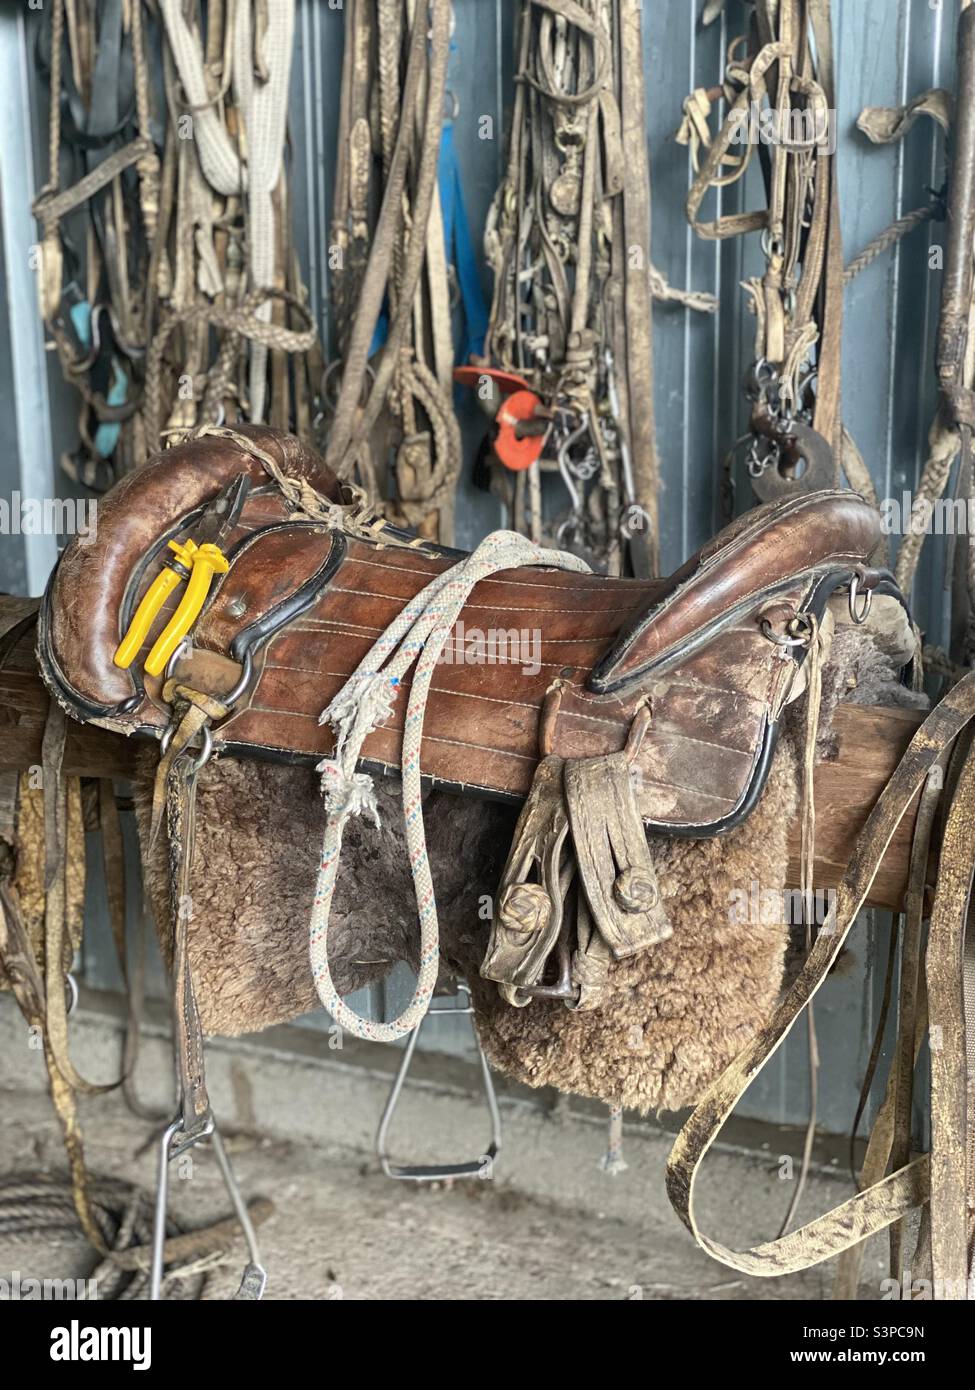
(890, 1135)
(40, 993)
(610, 846)
(193, 1099)
(19, 965)
(951, 1078)
(57, 947)
(528, 921)
(174, 795)
(892, 1197)
(580, 825)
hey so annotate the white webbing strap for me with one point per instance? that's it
(418, 634)
(264, 108)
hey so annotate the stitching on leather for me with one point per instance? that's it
(485, 607)
(528, 583)
(438, 689)
(327, 624)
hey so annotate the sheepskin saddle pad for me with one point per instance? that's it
(591, 769)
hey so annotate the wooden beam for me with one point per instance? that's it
(88, 750)
(869, 744)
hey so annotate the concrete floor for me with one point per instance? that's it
(549, 1226)
(341, 1230)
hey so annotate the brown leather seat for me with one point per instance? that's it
(304, 603)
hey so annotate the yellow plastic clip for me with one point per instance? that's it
(175, 569)
(207, 561)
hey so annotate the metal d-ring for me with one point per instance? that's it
(859, 616)
(232, 696)
(170, 729)
(230, 699)
(769, 634)
(187, 643)
(206, 751)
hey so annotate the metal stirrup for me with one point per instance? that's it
(479, 1167)
(254, 1277)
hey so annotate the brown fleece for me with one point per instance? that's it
(674, 1016)
(258, 841)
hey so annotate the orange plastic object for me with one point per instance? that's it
(514, 452)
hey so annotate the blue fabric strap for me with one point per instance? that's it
(460, 248)
(460, 254)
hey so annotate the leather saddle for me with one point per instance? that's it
(609, 706)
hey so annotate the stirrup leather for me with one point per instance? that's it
(580, 835)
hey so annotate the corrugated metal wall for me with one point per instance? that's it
(887, 51)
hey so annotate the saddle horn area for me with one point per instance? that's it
(95, 584)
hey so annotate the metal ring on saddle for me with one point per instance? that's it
(247, 671)
(230, 699)
(206, 751)
(859, 615)
(798, 620)
(186, 644)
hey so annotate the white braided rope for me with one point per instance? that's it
(419, 634)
